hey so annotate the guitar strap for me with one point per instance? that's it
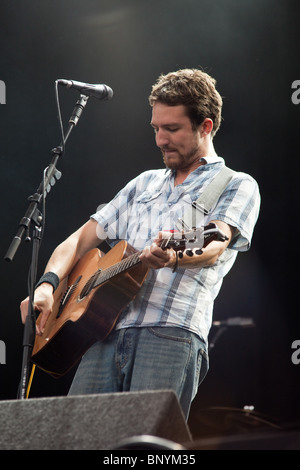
(206, 201)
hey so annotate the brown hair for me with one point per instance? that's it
(194, 89)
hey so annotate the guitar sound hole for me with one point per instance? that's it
(90, 284)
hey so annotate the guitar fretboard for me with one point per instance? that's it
(118, 268)
(123, 265)
(103, 275)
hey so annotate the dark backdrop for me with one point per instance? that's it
(251, 47)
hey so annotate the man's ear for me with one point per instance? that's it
(206, 127)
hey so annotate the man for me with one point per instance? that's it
(160, 340)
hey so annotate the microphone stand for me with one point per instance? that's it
(222, 326)
(35, 217)
(217, 335)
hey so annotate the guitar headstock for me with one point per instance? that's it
(194, 239)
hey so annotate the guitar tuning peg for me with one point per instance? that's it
(180, 254)
(198, 252)
(189, 252)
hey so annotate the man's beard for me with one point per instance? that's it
(184, 160)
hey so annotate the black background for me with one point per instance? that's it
(251, 48)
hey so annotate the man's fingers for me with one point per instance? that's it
(24, 309)
(154, 257)
(41, 309)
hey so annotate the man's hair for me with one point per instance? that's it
(195, 90)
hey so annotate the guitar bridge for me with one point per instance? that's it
(66, 296)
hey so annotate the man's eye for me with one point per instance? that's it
(167, 129)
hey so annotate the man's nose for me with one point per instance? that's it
(161, 138)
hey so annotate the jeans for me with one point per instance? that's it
(137, 359)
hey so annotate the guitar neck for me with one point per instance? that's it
(122, 266)
(118, 268)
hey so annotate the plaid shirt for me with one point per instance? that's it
(150, 203)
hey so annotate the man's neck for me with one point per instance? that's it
(182, 174)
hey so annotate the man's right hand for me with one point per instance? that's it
(43, 302)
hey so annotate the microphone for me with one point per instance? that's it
(101, 92)
(235, 321)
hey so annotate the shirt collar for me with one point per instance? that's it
(212, 159)
(208, 160)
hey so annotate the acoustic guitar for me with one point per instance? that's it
(89, 302)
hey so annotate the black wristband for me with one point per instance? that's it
(50, 278)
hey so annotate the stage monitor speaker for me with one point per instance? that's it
(90, 422)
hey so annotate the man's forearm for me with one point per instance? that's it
(66, 255)
(63, 259)
(208, 257)
(209, 254)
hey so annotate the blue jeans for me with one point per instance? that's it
(136, 359)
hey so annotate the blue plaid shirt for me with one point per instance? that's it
(150, 203)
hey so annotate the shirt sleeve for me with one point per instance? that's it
(239, 207)
(115, 216)
(112, 217)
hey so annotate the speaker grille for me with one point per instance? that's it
(90, 422)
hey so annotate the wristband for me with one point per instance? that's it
(50, 278)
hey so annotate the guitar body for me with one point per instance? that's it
(78, 321)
